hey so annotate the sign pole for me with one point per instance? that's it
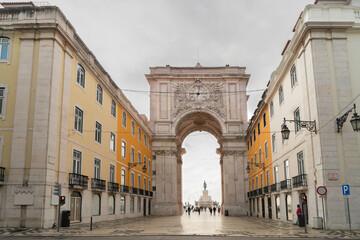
(58, 225)
(305, 216)
(322, 201)
(348, 207)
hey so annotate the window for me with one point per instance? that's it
(297, 120)
(248, 145)
(276, 174)
(260, 155)
(257, 182)
(300, 160)
(266, 150)
(256, 164)
(123, 149)
(145, 141)
(111, 205)
(3, 93)
(252, 164)
(99, 94)
(144, 161)
(261, 181)
(258, 128)
(253, 186)
(132, 179)
(149, 186)
(124, 119)
(97, 168)
(4, 48)
(139, 135)
(149, 166)
(138, 204)
(273, 141)
(80, 76)
(77, 162)
(286, 169)
(132, 155)
(264, 119)
(112, 173)
(271, 109)
(132, 204)
(281, 95)
(139, 182)
(149, 144)
(144, 183)
(122, 204)
(132, 128)
(113, 108)
(139, 159)
(96, 205)
(268, 177)
(254, 136)
(78, 121)
(112, 142)
(98, 132)
(122, 177)
(293, 76)
(250, 141)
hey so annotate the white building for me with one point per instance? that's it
(318, 80)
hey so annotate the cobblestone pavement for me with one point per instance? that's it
(194, 225)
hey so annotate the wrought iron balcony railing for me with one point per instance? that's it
(78, 180)
(124, 189)
(134, 190)
(113, 187)
(275, 187)
(300, 181)
(141, 191)
(266, 189)
(98, 184)
(286, 184)
(146, 193)
(151, 194)
(260, 191)
(2, 174)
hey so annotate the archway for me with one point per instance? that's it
(184, 100)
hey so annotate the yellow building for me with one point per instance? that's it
(260, 162)
(63, 119)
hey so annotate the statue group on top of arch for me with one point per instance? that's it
(199, 95)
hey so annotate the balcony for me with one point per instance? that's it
(266, 190)
(300, 181)
(124, 189)
(141, 191)
(134, 190)
(98, 184)
(151, 194)
(113, 187)
(275, 187)
(2, 174)
(285, 185)
(146, 193)
(260, 191)
(78, 181)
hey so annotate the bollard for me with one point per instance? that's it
(91, 224)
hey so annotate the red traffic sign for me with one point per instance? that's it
(321, 190)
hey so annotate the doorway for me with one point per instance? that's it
(75, 207)
(269, 207)
(144, 207)
(263, 207)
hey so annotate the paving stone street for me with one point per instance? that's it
(195, 226)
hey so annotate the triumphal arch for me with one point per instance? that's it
(188, 99)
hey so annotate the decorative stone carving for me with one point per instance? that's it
(199, 95)
(233, 153)
(24, 195)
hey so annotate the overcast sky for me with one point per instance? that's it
(129, 36)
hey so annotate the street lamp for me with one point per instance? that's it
(309, 125)
(355, 120)
(131, 165)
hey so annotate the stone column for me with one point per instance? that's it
(166, 180)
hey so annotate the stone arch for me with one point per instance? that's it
(188, 99)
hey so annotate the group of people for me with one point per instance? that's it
(212, 210)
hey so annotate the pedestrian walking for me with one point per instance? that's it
(298, 213)
(210, 209)
(214, 210)
(189, 210)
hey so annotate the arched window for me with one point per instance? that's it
(4, 48)
(96, 205)
(80, 78)
(111, 205)
(99, 94)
